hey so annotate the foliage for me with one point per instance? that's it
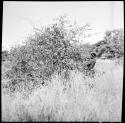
(112, 46)
(52, 49)
(98, 99)
(4, 55)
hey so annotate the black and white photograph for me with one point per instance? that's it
(62, 61)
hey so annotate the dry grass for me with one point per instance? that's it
(79, 99)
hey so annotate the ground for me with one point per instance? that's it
(83, 99)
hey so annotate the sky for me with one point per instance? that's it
(19, 18)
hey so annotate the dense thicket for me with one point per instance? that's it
(4, 55)
(112, 46)
(52, 49)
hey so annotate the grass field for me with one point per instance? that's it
(82, 99)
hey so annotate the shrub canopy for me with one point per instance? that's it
(112, 46)
(51, 49)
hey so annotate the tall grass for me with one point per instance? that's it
(77, 99)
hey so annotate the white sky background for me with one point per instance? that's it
(20, 17)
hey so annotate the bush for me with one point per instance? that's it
(112, 46)
(4, 55)
(51, 49)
